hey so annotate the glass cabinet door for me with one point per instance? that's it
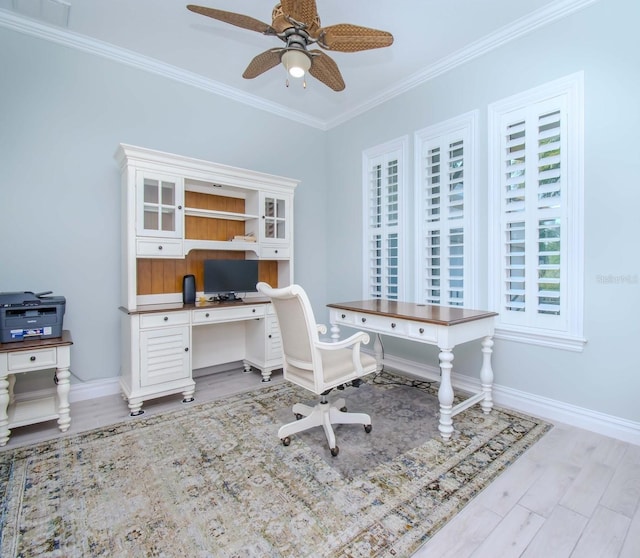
(275, 218)
(160, 206)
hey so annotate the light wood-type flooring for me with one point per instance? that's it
(574, 494)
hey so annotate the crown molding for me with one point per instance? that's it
(535, 20)
(553, 12)
(70, 39)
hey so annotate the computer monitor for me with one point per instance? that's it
(225, 279)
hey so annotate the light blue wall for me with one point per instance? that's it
(603, 41)
(62, 115)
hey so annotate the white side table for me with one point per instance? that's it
(23, 357)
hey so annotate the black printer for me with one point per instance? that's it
(25, 315)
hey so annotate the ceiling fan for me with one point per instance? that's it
(297, 24)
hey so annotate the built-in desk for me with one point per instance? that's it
(442, 326)
(22, 357)
(162, 343)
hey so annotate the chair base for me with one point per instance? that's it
(323, 414)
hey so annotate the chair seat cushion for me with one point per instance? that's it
(338, 365)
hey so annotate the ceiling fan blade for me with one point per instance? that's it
(346, 37)
(324, 69)
(304, 11)
(263, 62)
(238, 20)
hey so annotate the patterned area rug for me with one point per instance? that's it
(214, 480)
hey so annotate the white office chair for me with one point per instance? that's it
(316, 365)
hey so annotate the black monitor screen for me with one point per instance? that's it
(223, 277)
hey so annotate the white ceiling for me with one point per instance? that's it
(430, 36)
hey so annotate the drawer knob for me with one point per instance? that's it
(160, 247)
(275, 251)
(344, 316)
(206, 315)
(421, 330)
(363, 320)
(393, 325)
(253, 310)
(270, 336)
(186, 349)
(32, 358)
(166, 318)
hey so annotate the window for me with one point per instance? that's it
(383, 188)
(536, 214)
(445, 175)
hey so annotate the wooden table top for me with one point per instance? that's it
(431, 314)
(37, 343)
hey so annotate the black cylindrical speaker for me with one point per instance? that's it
(189, 289)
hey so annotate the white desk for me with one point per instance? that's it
(27, 356)
(157, 343)
(442, 326)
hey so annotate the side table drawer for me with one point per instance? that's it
(30, 360)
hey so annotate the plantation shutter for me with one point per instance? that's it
(383, 228)
(445, 179)
(533, 214)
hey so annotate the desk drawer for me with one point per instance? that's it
(164, 319)
(275, 252)
(343, 317)
(218, 315)
(391, 326)
(159, 248)
(31, 360)
(427, 333)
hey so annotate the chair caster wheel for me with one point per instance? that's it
(367, 428)
(298, 416)
(286, 441)
(335, 451)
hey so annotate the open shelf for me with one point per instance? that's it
(216, 214)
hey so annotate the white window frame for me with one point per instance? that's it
(443, 136)
(381, 154)
(565, 330)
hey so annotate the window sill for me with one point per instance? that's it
(554, 341)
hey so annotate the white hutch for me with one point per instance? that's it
(176, 213)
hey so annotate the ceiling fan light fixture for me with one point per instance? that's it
(297, 62)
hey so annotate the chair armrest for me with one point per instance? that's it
(322, 329)
(353, 344)
(356, 338)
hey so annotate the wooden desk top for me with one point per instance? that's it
(37, 343)
(175, 306)
(440, 315)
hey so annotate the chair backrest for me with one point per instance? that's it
(299, 334)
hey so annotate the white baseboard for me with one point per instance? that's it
(94, 389)
(543, 407)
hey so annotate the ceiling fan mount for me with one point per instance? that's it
(297, 24)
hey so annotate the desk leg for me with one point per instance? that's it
(377, 352)
(4, 418)
(445, 393)
(335, 333)
(486, 375)
(62, 379)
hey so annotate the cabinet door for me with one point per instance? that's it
(275, 218)
(164, 355)
(160, 200)
(274, 340)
